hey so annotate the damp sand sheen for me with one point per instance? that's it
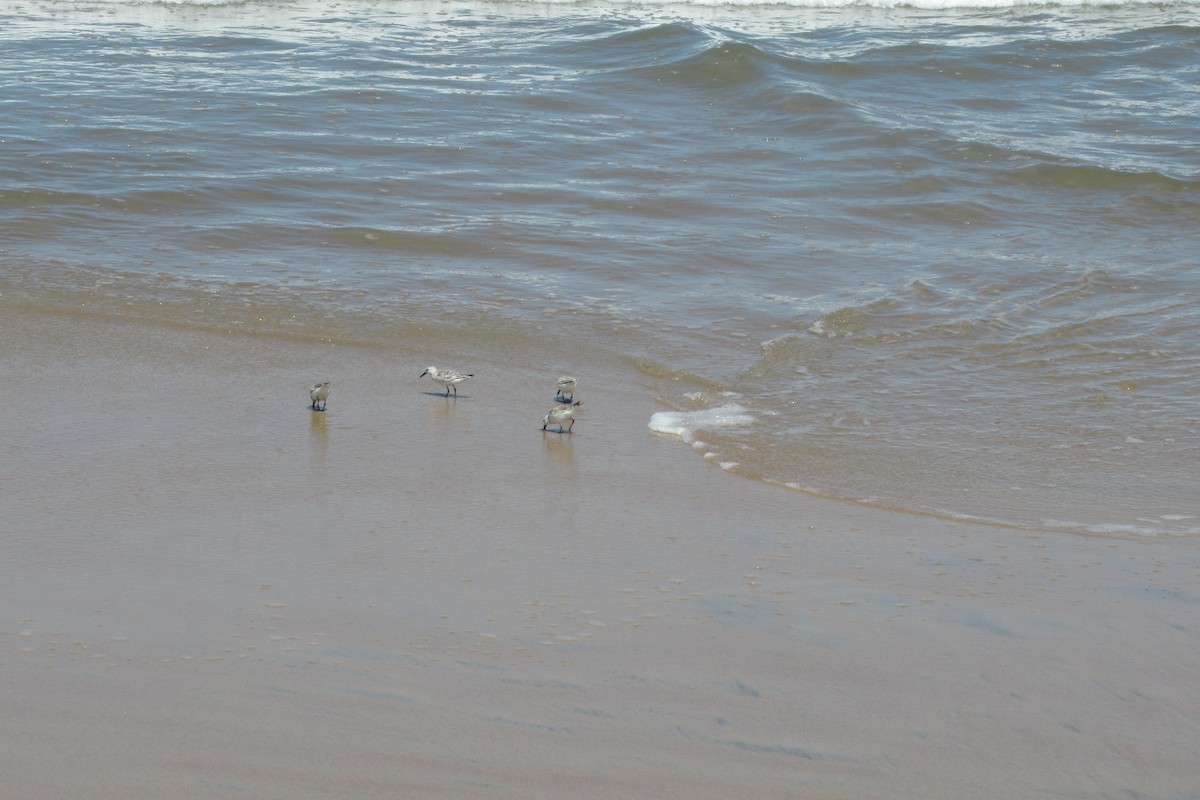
(408, 597)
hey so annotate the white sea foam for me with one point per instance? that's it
(1102, 529)
(685, 424)
(934, 5)
(916, 4)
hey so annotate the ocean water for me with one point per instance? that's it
(935, 257)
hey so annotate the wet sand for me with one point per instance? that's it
(210, 591)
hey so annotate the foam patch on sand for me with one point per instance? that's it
(686, 424)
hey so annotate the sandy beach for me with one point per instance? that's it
(211, 591)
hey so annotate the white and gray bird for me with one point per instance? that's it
(566, 388)
(561, 415)
(446, 377)
(319, 394)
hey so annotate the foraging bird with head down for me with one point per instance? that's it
(561, 415)
(319, 394)
(566, 388)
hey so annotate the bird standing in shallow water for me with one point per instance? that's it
(566, 388)
(559, 415)
(446, 377)
(319, 394)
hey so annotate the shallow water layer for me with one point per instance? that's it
(941, 258)
(209, 590)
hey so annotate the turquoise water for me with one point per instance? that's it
(934, 258)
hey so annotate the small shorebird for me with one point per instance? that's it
(566, 388)
(319, 394)
(560, 414)
(446, 377)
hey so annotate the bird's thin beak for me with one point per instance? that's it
(423, 374)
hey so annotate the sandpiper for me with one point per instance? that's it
(319, 394)
(566, 388)
(559, 415)
(446, 377)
